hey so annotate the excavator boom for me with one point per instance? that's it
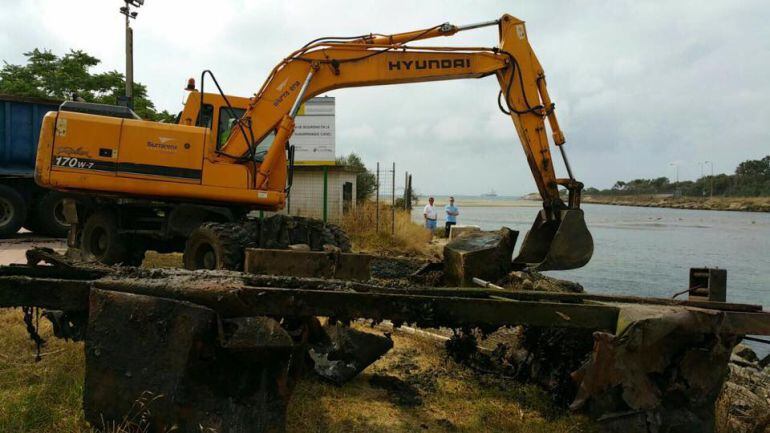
(559, 238)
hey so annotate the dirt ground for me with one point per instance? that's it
(414, 387)
(12, 250)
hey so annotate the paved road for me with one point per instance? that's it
(12, 250)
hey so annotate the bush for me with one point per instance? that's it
(409, 238)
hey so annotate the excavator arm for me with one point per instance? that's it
(558, 239)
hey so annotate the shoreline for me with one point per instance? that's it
(736, 204)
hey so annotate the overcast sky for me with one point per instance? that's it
(637, 85)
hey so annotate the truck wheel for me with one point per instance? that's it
(216, 246)
(13, 211)
(100, 240)
(48, 217)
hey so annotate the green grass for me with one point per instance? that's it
(454, 399)
(40, 396)
(46, 397)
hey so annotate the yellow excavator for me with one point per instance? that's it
(189, 186)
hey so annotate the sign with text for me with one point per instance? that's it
(313, 137)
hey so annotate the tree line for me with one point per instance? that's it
(50, 76)
(751, 179)
(47, 75)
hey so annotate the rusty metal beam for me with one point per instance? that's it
(430, 311)
(425, 311)
(230, 297)
(740, 323)
(471, 292)
(51, 293)
(531, 295)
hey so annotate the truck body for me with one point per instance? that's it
(22, 202)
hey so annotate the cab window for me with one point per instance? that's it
(263, 146)
(204, 117)
(227, 119)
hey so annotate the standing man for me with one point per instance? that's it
(451, 216)
(430, 217)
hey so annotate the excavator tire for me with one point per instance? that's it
(341, 239)
(222, 245)
(216, 246)
(280, 231)
(100, 240)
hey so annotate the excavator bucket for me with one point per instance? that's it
(559, 244)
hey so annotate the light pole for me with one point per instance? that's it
(712, 177)
(676, 187)
(703, 190)
(676, 167)
(126, 10)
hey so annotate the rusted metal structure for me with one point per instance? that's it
(224, 347)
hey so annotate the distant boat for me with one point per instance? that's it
(490, 194)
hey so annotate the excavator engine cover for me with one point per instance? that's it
(564, 243)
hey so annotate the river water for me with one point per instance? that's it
(649, 251)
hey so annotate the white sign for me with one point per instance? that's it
(313, 137)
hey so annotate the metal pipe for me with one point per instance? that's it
(478, 25)
(566, 162)
(486, 284)
(129, 61)
(298, 101)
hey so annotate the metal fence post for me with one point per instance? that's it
(393, 201)
(406, 182)
(409, 193)
(326, 192)
(377, 200)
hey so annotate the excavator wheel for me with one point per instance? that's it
(280, 231)
(100, 240)
(341, 238)
(216, 246)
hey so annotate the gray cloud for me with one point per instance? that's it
(637, 84)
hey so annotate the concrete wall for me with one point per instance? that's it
(307, 192)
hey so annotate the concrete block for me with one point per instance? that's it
(485, 255)
(457, 230)
(345, 266)
(170, 356)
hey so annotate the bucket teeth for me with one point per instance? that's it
(559, 244)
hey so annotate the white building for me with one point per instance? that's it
(323, 192)
(320, 189)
